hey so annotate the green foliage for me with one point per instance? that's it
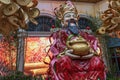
(97, 22)
(111, 76)
(58, 23)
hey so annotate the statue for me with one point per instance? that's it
(76, 54)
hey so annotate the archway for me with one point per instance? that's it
(85, 21)
(45, 22)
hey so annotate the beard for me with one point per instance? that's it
(73, 27)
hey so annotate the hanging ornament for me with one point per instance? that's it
(15, 13)
(10, 9)
(5, 1)
(33, 3)
(34, 12)
(110, 18)
(23, 2)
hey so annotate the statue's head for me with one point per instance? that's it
(67, 13)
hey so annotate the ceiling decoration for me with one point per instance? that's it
(14, 14)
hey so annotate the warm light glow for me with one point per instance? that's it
(7, 56)
(35, 48)
(35, 54)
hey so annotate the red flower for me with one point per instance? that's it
(53, 26)
(88, 28)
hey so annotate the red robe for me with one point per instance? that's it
(65, 68)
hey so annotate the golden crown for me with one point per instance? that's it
(65, 8)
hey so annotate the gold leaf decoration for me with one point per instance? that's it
(15, 13)
(111, 18)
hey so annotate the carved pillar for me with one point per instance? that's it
(20, 53)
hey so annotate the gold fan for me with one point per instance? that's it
(14, 14)
(5, 1)
(10, 9)
(101, 30)
(5, 28)
(115, 20)
(34, 13)
(33, 3)
(23, 2)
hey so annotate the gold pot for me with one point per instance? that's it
(80, 47)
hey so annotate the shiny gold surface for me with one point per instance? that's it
(79, 46)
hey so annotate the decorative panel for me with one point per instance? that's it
(7, 56)
(37, 55)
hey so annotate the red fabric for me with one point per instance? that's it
(90, 69)
(64, 68)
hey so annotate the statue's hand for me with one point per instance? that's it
(87, 56)
(73, 56)
(69, 53)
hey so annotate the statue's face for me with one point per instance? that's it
(70, 17)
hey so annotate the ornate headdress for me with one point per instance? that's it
(65, 8)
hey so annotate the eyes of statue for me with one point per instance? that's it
(70, 15)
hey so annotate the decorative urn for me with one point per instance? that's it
(79, 45)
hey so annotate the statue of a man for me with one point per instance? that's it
(76, 54)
